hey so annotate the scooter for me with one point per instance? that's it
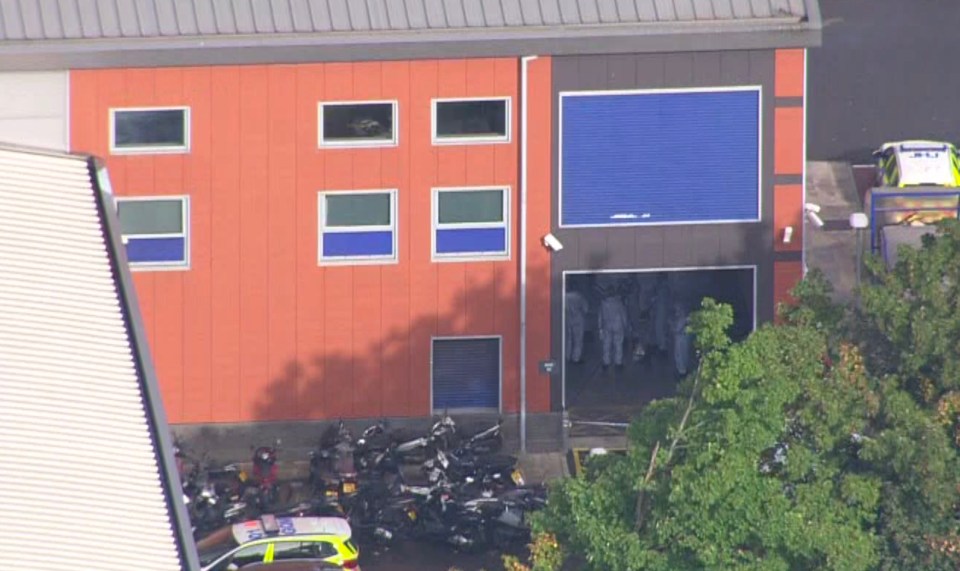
(498, 471)
(441, 518)
(265, 476)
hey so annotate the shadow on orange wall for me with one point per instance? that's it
(316, 387)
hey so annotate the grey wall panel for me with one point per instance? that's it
(621, 247)
(650, 70)
(591, 71)
(33, 109)
(667, 246)
(705, 67)
(678, 70)
(621, 71)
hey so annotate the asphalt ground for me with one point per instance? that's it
(887, 70)
(422, 556)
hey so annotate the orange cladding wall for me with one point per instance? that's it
(789, 155)
(255, 329)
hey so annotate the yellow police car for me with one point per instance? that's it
(917, 163)
(272, 539)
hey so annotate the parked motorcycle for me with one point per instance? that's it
(333, 473)
(441, 518)
(496, 471)
(262, 488)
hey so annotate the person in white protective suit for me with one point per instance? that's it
(661, 312)
(612, 324)
(575, 320)
(682, 339)
(640, 308)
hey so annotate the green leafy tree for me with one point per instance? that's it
(781, 452)
(908, 328)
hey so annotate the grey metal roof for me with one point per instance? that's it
(93, 19)
(73, 34)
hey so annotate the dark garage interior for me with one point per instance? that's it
(654, 305)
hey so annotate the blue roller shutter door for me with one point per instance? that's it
(466, 374)
(660, 158)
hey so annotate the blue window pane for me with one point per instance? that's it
(472, 240)
(352, 244)
(660, 158)
(156, 250)
(466, 373)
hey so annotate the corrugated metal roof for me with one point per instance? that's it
(82, 482)
(92, 19)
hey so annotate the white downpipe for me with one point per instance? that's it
(523, 250)
(803, 173)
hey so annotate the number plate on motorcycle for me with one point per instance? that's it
(517, 477)
(412, 515)
(349, 487)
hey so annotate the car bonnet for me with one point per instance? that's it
(253, 529)
(927, 164)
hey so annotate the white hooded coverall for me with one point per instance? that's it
(575, 323)
(612, 322)
(681, 339)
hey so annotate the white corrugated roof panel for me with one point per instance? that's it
(81, 486)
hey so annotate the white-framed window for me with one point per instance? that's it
(148, 130)
(357, 226)
(357, 123)
(471, 223)
(466, 373)
(471, 120)
(155, 231)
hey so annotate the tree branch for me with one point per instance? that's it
(641, 496)
(639, 511)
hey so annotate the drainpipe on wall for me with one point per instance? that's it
(524, 61)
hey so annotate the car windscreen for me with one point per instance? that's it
(216, 544)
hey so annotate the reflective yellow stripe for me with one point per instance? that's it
(268, 556)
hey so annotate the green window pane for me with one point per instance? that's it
(149, 128)
(150, 216)
(358, 209)
(473, 206)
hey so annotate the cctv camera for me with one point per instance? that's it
(551, 241)
(816, 220)
(811, 207)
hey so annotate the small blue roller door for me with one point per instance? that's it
(466, 374)
(660, 158)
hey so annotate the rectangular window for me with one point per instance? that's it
(358, 124)
(465, 373)
(464, 121)
(155, 231)
(155, 130)
(357, 226)
(471, 223)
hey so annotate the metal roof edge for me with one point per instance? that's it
(304, 48)
(149, 385)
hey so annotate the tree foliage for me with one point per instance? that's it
(828, 441)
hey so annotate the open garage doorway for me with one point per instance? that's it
(654, 355)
